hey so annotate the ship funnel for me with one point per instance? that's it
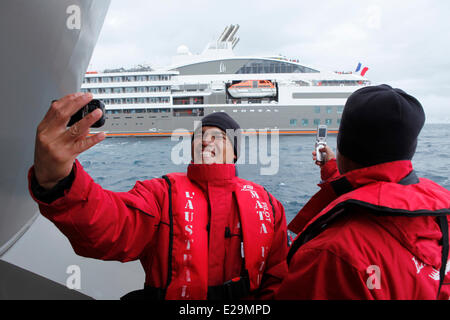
(225, 33)
(233, 32)
(228, 34)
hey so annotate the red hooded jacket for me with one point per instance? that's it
(373, 233)
(154, 218)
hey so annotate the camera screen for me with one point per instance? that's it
(322, 132)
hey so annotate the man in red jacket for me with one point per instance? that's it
(374, 230)
(204, 234)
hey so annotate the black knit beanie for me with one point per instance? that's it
(223, 121)
(380, 124)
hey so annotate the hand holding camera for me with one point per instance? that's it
(56, 145)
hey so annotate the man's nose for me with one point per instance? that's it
(207, 139)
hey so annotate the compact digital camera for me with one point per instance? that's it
(91, 106)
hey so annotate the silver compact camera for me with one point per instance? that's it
(321, 141)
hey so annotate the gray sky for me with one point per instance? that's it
(404, 43)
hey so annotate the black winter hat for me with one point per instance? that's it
(223, 121)
(380, 124)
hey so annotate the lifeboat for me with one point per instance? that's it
(253, 89)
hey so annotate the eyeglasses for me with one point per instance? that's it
(211, 135)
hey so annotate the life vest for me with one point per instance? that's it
(188, 239)
(411, 197)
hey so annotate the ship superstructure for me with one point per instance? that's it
(259, 92)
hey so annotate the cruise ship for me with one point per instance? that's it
(260, 93)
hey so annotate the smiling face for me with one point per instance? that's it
(212, 146)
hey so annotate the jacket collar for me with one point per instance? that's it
(211, 172)
(387, 172)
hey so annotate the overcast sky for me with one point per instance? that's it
(404, 43)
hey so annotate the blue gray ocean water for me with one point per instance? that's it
(117, 163)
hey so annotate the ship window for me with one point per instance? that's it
(94, 80)
(181, 100)
(340, 109)
(140, 100)
(188, 112)
(316, 122)
(116, 111)
(267, 66)
(141, 89)
(130, 78)
(305, 122)
(130, 90)
(198, 100)
(117, 79)
(106, 79)
(106, 101)
(234, 110)
(107, 90)
(141, 78)
(328, 121)
(329, 109)
(129, 100)
(293, 122)
(338, 121)
(317, 109)
(117, 90)
(94, 90)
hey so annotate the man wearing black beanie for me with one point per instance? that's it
(380, 124)
(374, 230)
(211, 124)
(203, 234)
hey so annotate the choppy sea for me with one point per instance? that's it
(117, 163)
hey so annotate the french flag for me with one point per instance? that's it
(363, 69)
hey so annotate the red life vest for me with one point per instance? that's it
(188, 247)
(379, 191)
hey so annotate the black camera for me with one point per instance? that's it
(91, 106)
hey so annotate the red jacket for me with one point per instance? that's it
(370, 234)
(132, 225)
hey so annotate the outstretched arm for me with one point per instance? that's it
(99, 223)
